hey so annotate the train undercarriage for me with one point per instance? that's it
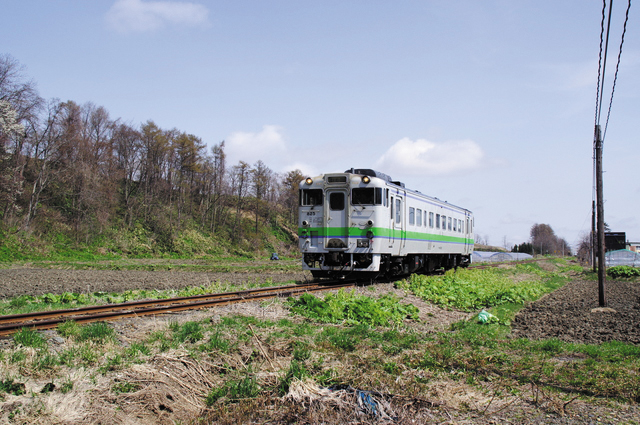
(341, 264)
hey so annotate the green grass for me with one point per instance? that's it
(235, 389)
(97, 332)
(480, 352)
(28, 337)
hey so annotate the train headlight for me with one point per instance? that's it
(308, 180)
(305, 223)
(366, 179)
(370, 223)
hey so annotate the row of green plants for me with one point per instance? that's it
(623, 272)
(473, 289)
(67, 300)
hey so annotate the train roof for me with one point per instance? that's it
(373, 173)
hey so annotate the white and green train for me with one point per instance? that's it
(362, 222)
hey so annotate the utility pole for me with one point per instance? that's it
(600, 207)
(594, 238)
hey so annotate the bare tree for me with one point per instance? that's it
(289, 193)
(239, 187)
(261, 182)
(20, 104)
(128, 145)
(43, 146)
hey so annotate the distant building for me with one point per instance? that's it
(614, 241)
(633, 246)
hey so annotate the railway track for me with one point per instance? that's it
(50, 319)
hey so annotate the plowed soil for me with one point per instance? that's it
(23, 281)
(572, 314)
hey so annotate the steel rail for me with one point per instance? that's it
(50, 319)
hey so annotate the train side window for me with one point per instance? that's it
(449, 227)
(386, 197)
(455, 224)
(419, 217)
(437, 221)
(398, 206)
(431, 219)
(444, 222)
(336, 201)
(412, 216)
(391, 205)
(460, 224)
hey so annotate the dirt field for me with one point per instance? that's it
(19, 281)
(571, 314)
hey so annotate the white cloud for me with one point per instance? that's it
(423, 157)
(140, 16)
(268, 145)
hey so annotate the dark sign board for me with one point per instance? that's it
(615, 240)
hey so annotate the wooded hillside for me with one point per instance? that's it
(73, 171)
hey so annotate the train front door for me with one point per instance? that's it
(337, 220)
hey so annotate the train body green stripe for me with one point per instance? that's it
(343, 232)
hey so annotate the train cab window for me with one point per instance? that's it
(366, 196)
(431, 219)
(437, 221)
(336, 201)
(449, 227)
(412, 216)
(419, 217)
(310, 197)
(398, 206)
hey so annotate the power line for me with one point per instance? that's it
(615, 78)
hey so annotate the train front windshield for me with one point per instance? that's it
(310, 197)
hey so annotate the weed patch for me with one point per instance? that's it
(472, 289)
(352, 309)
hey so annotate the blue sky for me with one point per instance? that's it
(486, 104)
